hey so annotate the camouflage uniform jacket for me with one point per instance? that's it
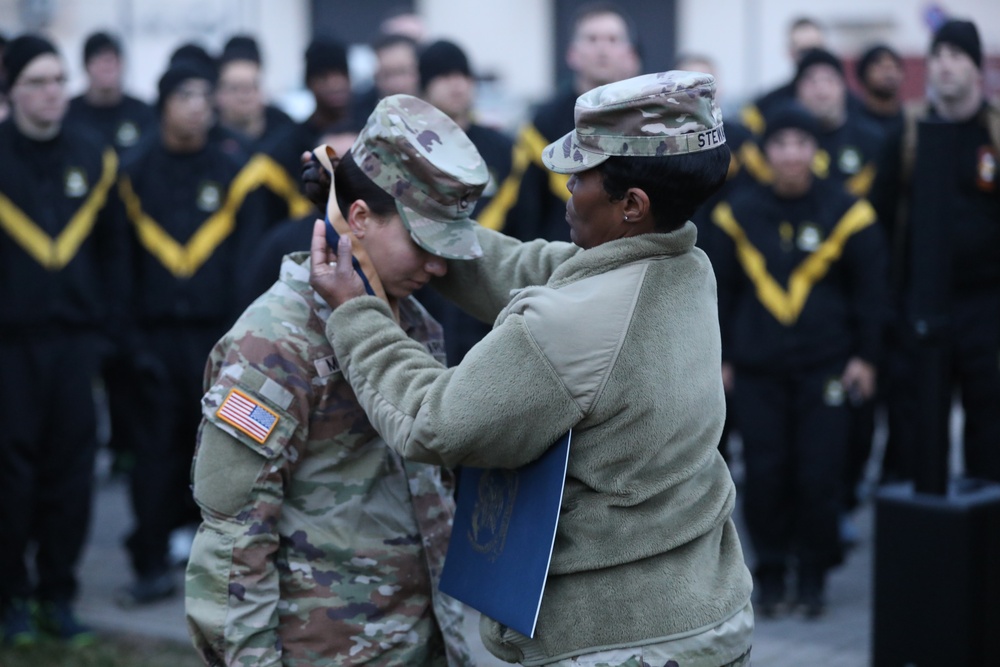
(319, 545)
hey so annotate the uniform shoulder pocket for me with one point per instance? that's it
(246, 425)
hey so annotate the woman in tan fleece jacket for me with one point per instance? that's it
(615, 336)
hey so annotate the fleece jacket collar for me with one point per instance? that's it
(620, 252)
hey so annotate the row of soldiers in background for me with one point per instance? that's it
(816, 292)
(132, 238)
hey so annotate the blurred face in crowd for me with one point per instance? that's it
(952, 74)
(451, 93)
(104, 70)
(403, 267)
(884, 77)
(601, 51)
(790, 153)
(39, 95)
(803, 38)
(410, 25)
(187, 112)
(238, 94)
(332, 90)
(397, 72)
(822, 91)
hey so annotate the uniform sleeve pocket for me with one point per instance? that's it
(242, 438)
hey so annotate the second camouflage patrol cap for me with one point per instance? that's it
(653, 115)
(424, 160)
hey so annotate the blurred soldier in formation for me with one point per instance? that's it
(880, 73)
(532, 203)
(63, 256)
(328, 79)
(234, 144)
(955, 97)
(848, 144)
(804, 33)
(238, 96)
(395, 74)
(119, 118)
(260, 128)
(802, 294)
(192, 221)
(121, 121)
(849, 147)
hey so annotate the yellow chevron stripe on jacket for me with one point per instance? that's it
(183, 261)
(755, 163)
(527, 150)
(55, 254)
(787, 305)
(861, 183)
(536, 143)
(494, 215)
(265, 171)
(753, 119)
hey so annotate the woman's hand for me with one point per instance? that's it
(728, 377)
(333, 276)
(858, 379)
(315, 180)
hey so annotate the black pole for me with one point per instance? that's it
(930, 301)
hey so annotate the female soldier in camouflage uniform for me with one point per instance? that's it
(320, 545)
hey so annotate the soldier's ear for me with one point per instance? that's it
(359, 216)
(636, 207)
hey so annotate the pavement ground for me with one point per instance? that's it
(840, 638)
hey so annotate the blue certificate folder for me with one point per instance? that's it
(501, 542)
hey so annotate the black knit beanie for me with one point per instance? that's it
(325, 55)
(177, 74)
(962, 35)
(240, 47)
(20, 52)
(441, 58)
(790, 115)
(196, 56)
(98, 43)
(817, 57)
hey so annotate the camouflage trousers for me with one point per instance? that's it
(654, 655)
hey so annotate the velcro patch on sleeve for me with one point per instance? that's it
(247, 415)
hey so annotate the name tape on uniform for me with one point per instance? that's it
(711, 138)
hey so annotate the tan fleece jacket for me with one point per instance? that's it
(620, 343)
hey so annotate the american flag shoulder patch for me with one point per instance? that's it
(247, 415)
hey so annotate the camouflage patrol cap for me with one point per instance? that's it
(668, 113)
(425, 161)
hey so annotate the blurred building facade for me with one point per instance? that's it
(516, 45)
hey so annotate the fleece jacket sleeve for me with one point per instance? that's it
(502, 407)
(482, 287)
